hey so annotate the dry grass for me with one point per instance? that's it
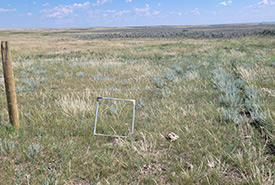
(67, 74)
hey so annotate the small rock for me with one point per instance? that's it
(247, 137)
(211, 164)
(172, 136)
(189, 165)
(153, 168)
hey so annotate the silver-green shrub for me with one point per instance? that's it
(33, 150)
(80, 74)
(159, 82)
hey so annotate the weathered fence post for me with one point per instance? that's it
(9, 84)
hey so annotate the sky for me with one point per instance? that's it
(110, 13)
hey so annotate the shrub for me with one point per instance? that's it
(41, 72)
(232, 115)
(80, 74)
(31, 70)
(44, 80)
(75, 64)
(112, 110)
(23, 74)
(268, 33)
(178, 69)
(170, 75)
(141, 104)
(37, 69)
(158, 82)
(33, 150)
(59, 74)
(164, 93)
(99, 77)
(6, 146)
(240, 102)
(20, 89)
(30, 84)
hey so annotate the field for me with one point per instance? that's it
(213, 86)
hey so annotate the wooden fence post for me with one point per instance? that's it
(9, 84)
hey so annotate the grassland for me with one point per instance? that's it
(218, 95)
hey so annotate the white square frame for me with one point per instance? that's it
(115, 99)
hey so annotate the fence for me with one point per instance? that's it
(9, 84)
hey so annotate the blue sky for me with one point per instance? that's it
(84, 13)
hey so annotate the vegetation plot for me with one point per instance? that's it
(217, 95)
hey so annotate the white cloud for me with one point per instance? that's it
(120, 13)
(110, 11)
(82, 6)
(261, 4)
(195, 11)
(266, 2)
(146, 11)
(7, 10)
(62, 11)
(116, 14)
(46, 4)
(172, 12)
(175, 13)
(156, 12)
(216, 13)
(143, 11)
(128, 1)
(226, 3)
(101, 2)
(94, 13)
(27, 14)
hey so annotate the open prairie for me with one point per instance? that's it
(213, 86)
